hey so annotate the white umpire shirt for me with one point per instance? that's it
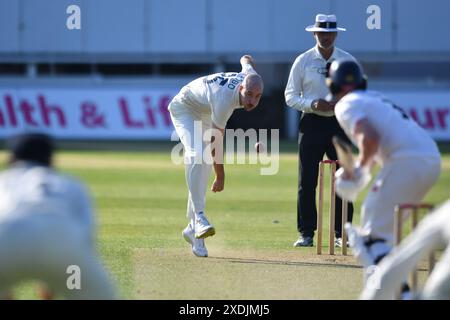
(307, 80)
(216, 94)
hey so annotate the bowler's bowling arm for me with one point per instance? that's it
(217, 155)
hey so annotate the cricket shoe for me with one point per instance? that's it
(338, 243)
(358, 246)
(203, 228)
(198, 245)
(304, 242)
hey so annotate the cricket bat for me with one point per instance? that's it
(345, 154)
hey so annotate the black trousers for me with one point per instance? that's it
(315, 140)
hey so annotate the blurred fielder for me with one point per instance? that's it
(433, 232)
(205, 103)
(46, 225)
(409, 159)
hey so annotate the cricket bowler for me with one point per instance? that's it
(204, 104)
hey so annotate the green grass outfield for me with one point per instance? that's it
(140, 198)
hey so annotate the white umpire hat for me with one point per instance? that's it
(324, 23)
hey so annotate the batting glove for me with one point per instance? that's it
(348, 189)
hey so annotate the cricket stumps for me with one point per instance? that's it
(332, 215)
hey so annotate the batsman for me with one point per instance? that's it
(408, 158)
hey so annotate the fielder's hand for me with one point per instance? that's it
(218, 184)
(348, 189)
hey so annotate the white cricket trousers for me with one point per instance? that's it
(43, 247)
(433, 232)
(400, 181)
(192, 128)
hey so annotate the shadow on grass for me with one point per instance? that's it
(288, 263)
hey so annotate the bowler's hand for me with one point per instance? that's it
(323, 105)
(247, 59)
(218, 184)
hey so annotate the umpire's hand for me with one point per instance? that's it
(322, 105)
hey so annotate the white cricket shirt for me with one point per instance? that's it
(217, 94)
(399, 135)
(28, 190)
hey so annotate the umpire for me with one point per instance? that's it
(306, 91)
